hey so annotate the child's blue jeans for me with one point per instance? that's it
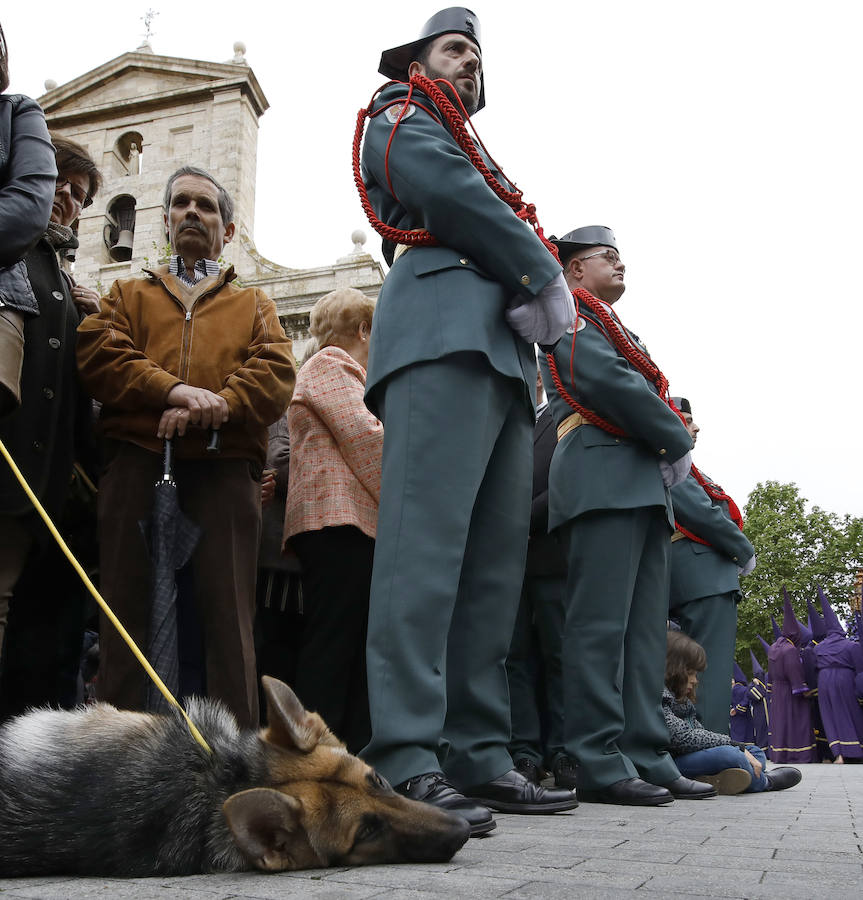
(715, 759)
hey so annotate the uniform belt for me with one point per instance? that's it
(570, 423)
(677, 536)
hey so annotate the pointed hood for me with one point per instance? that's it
(757, 671)
(816, 620)
(739, 675)
(764, 645)
(831, 622)
(805, 633)
(790, 625)
(777, 631)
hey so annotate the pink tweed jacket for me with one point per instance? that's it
(336, 443)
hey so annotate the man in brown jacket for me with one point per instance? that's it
(171, 355)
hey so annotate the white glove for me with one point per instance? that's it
(544, 319)
(748, 567)
(674, 473)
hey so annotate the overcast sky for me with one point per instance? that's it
(721, 142)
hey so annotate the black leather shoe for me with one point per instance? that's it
(435, 789)
(513, 793)
(529, 769)
(628, 792)
(687, 789)
(564, 773)
(782, 778)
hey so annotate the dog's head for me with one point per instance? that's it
(328, 808)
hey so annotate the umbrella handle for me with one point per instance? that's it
(167, 459)
(214, 444)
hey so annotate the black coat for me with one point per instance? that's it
(54, 412)
(545, 555)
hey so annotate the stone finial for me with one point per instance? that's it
(359, 238)
(146, 47)
(239, 54)
(50, 84)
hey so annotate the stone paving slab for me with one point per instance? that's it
(804, 843)
(851, 868)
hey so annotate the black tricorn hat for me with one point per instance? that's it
(589, 236)
(682, 404)
(453, 20)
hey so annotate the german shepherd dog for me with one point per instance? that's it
(99, 791)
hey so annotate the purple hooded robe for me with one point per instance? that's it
(741, 722)
(810, 671)
(758, 699)
(838, 664)
(791, 736)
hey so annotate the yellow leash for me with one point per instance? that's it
(101, 601)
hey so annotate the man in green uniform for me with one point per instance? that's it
(620, 446)
(451, 373)
(708, 554)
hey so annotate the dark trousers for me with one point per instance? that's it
(331, 668)
(278, 628)
(224, 499)
(534, 671)
(449, 561)
(614, 645)
(15, 543)
(41, 659)
(712, 622)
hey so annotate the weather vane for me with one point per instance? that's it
(147, 19)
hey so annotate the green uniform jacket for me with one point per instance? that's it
(592, 469)
(696, 569)
(441, 300)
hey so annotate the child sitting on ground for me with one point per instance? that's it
(703, 755)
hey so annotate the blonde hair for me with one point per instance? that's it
(338, 315)
(311, 349)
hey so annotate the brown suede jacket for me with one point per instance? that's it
(154, 333)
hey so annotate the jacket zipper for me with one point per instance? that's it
(185, 360)
(185, 356)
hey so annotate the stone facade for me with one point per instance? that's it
(141, 116)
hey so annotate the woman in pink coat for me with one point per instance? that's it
(331, 512)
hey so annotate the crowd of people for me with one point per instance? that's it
(461, 550)
(808, 705)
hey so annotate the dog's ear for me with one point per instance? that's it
(290, 725)
(265, 824)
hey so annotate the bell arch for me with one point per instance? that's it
(119, 230)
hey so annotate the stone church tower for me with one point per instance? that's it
(141, 116)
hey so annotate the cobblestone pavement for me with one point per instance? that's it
(802, 843)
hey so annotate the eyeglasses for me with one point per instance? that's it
(612, 256)
(79, 195)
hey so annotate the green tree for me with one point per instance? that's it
(796, 549)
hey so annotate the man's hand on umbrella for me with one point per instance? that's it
(189, 405)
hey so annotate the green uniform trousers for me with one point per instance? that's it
(534, 671)
(450, 551)
(712, 622)
(614, 645)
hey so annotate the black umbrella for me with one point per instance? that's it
(171, 538)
